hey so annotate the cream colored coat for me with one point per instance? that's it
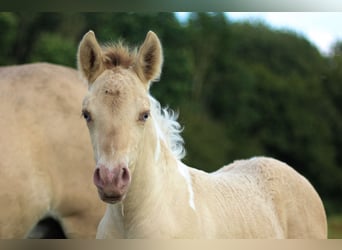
(46, 158)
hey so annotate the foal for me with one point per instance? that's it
(149, 191)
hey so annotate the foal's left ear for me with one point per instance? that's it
(89, 57)
(149, 59)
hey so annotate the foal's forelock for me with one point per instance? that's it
(119, 55)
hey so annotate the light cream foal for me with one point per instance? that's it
(149, 191)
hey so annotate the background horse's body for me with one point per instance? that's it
(46, 160)
(150, 192)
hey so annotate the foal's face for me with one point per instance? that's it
(117, 108)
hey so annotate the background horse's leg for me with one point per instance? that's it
(47, 228)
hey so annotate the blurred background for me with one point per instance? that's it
(242, 88)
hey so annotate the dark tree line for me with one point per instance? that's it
(242, 89)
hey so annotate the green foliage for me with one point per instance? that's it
(8, 27)
(53, 48)
(335, 227)
(205, 139)
(242, 89)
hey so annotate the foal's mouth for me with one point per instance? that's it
(111, 199)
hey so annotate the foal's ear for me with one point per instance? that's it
(89, 57)
(149, 59)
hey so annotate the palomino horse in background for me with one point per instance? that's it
(150, 192)
(46, 159)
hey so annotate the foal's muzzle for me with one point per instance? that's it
(112, 184)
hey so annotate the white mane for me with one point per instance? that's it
(166, 119)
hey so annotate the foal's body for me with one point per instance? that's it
(46, 160)
(256, 198)
(151, 193)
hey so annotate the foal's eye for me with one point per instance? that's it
(144, 116)
(86, 115)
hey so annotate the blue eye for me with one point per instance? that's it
(144, 116)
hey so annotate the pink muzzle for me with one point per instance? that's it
(112, 184)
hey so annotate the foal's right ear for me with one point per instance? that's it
(89, 57)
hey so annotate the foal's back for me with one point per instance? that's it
(260, 198)
(46, 159)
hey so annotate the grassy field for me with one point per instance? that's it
(335, 227)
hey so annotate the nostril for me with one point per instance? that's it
(125, 175)
(97, 178)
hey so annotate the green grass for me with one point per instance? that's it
(335, 227)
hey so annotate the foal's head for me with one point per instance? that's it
(117, 107)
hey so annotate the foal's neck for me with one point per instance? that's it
(158, 182)
(155, 175)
